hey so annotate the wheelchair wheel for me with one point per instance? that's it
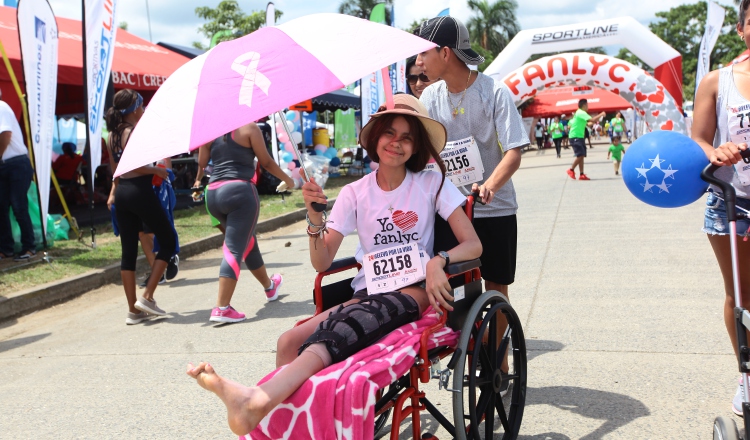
(725, 429)
(478, 381)
(384, 415)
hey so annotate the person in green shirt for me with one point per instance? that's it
(618, 126)
(577, 134)
(616, 150)
(556, 129)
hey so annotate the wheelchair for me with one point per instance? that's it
(487, 402)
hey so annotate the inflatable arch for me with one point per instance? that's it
(635, 85)
(665, 60)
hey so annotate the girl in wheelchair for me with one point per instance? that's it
(393, 211)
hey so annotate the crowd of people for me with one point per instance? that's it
(448, 102)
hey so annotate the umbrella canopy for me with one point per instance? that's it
(137, 63)
(243, 80)
(564, 100)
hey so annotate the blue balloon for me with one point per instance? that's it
(331, 150)
(663, 169)
(335, 161)
(286, 156)
(289, 116)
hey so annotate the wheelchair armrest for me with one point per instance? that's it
(342, 263)
(461, 267)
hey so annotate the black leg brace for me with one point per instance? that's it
(351, 328)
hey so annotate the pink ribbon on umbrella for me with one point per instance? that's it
(246, 79)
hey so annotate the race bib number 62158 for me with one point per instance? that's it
(739, 131)
(390, 269)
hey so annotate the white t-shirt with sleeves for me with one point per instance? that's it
(9, 123)
(385, 219)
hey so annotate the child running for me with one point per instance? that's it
(391, 208)
(616, 150)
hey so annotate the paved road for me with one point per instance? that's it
(621, 305)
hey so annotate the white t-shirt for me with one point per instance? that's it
(9, 123)
(385, 219)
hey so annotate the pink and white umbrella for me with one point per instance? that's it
(243, 80)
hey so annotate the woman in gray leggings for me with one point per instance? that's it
(233, 200)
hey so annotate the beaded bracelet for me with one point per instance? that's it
(322, 229)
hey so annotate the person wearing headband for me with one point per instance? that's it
(136, 205)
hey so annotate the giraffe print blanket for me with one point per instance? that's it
(338, 403)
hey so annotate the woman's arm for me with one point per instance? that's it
(204, 154)
(113, 167)
(704, 125)
(258, 144)
(469, 247)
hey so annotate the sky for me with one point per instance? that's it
(174, 21)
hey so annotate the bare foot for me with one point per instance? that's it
(246, 406)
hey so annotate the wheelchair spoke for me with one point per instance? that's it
(489, 417)
(501, 413)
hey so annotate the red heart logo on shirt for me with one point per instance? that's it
(405, 220)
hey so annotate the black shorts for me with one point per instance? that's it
(579, 146)
(499, 237)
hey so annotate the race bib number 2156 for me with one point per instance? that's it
(463, 163)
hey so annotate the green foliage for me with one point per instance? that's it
(363, 8)
(227, 16)
(628, 56)
(415, 24)
(489, 57)
(682, 28)
(123, 25)
(494, 24)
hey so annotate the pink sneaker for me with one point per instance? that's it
(272, 294)
(228, 315)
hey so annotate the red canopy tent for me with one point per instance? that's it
(564, 100)
(137, 64)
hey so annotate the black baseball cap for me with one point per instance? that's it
(450, 32)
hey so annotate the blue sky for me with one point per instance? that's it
(174, 21)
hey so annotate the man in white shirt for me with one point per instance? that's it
(15, 179)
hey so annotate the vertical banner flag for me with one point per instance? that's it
(714, 23)
(309, 123)
(398, 70)
(445, 12)
(370, 89)
(271, 21)
(37, 33)
(343, 129)
(99, 20)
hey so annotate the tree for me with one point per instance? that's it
(415, 24)
(227, 16)
(494, 24)
(363, 8)
(123, 25)
(682, 28)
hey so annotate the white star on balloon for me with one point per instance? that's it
(668, 173)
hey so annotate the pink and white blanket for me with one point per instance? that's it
(339, 402)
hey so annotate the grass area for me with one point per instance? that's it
(73, 257)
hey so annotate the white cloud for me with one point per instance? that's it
(174, 21)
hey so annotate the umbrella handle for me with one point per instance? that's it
(318, 207)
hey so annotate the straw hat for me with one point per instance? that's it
(408, 105)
